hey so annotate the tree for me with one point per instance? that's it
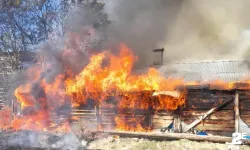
(24, 24)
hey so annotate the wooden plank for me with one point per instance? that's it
(82, 110)
(244, 97)
(229, 106)
(132, 115)
(206, 128)
(107, 127)
(237, 113)
(107, 116)
(107, 111)
(243, 112)
(89, 121)
(208, 121)
(244, 106)
(215, 125)
(208, 96)
(220, 115)
(107, 120)
(186, 113)
(206, 106)
(85, 117)
(171, 136)
(246, 119)
(227, 117)
(108, 108)
(244, 100)
(131, 110)
(76, 114)
(194, 87)
(162, 121)
(245, 92)
(162, 117)
(164, 114)
(159, 126)
(107, 123)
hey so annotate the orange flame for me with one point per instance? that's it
(115, 76)
(106, 75)
(99, 80)
(132, 124)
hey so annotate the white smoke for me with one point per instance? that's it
(194, 30)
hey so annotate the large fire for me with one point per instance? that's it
(105, 75)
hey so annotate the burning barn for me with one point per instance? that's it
(217, 112)
(218, 106)
(111, 98)
(86, 83)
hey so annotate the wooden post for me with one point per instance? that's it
(151, 115)
(98, 118)
(177, 124)
(161, 59)
(13, 109)
(177, 121)
(237, 113)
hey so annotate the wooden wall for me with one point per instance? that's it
(244, 106)
(87, 116)
(107, 118)
(162, 118)
(5, 72)
(103, 118)
(198, 102)
(1, 104)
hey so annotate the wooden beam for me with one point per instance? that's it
(177, 125)
(171, 136)
(175, 94)
(98, 118)
(197, 121)
(237, 112)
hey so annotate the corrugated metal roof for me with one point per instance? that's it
(230, 71)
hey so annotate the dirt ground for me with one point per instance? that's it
(117, 143)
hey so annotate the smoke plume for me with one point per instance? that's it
(194, 30)
(141, 24)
